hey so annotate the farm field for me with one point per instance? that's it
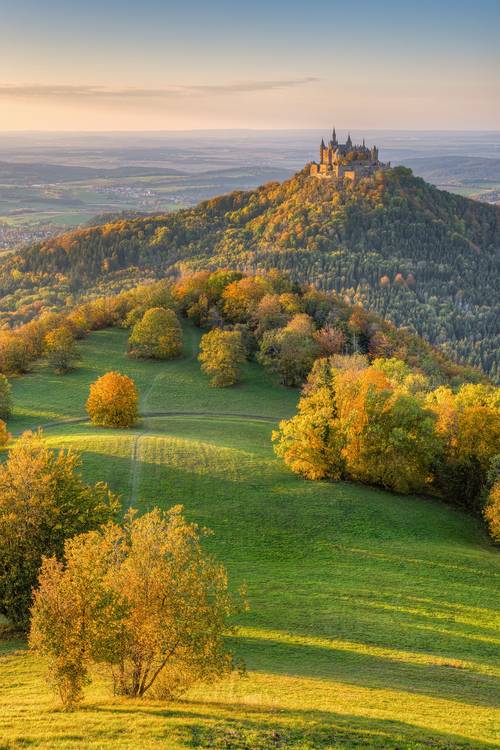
(372, 615)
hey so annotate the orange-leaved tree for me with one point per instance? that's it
(113, 401)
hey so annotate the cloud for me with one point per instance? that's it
(88, 92)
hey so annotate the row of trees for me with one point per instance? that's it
(383, 424)
(269, 312)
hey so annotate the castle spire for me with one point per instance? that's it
(348, 143)
(334, 137)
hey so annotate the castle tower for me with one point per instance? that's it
(348, 143)
(322, 150)
(334, 137)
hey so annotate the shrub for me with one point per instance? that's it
(113, 401)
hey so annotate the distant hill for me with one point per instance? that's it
(20, 172)
(418, 256)
(441, 170)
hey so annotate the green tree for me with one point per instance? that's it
(43, 501)
(157, 335)
(143, 599)
(221, 353)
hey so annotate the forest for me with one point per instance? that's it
(421, 258)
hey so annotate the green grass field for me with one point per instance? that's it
(372, 620)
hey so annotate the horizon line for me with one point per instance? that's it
(249, 129)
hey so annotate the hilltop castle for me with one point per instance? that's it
(346, 160)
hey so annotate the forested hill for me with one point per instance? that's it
(418, 256)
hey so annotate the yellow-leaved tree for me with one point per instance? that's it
(143, 599)
(60, 349)
(157, 335)
(221, 353)
(113, 401)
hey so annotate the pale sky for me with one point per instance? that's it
(159, 65)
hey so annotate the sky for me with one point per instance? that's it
(159, 65)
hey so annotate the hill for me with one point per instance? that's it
(442, 170)
(420, 257)
(372, 614)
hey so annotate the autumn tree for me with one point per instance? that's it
(60, 349)
(352, 423)
(4, 434)
(15, 353)
(330, 340)
(240, 298)
(157, 335)
(221, 354)
(43, 501)
(113, 401)
(290, 351)
(5, 398)
(269, 314)
(143, 600)
(491, 510)
(468, 426)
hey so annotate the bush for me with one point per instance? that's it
(113, 401)
(157, 335)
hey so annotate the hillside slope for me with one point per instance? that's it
(420, 257)
(371, 619)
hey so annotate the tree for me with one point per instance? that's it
(240, 298)
(331, 340)
(60, 349)
(113, 401)
(491, 509)
(352, 423)
(5, 398)
(221, 353)
(290, 351)
(15, 353)
(43, 501)
(4, 434)
(158, 335)
(144, 600)
(468, 426)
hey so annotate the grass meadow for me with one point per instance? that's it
(372, 618)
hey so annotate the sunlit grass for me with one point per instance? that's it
(372, 617)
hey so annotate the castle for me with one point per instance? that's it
(346, 160)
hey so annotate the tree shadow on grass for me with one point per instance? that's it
(220, 726)
(368, 671)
